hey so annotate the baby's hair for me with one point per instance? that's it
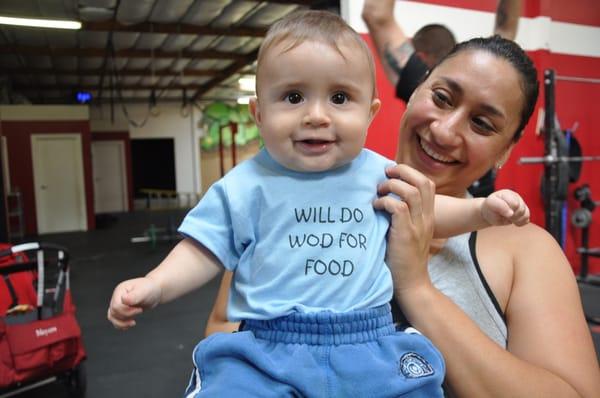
(313, 25)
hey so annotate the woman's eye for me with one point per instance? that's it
(339, 98)
(293, 98)
(482, 125)
(440, 98)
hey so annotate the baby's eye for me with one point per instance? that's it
(339, 98)
(294, 98)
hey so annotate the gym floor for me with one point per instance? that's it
(154, 358)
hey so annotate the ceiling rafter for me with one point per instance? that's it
(131, 53)
(225, 73)
(98, 71)
(90, 87)
(152, 27)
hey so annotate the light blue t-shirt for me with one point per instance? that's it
(297, 241)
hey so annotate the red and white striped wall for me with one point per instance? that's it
(561, 35)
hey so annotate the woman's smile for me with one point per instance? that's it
(433, 154)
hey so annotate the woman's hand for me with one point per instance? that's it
(411, 228)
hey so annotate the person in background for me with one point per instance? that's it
(406, 61)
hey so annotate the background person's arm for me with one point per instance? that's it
(217, 320)
(393, 46)
(506, 23)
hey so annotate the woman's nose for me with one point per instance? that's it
(316, 115)
(446, 130)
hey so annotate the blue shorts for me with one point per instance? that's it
(325, 354)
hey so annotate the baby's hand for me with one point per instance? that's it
(505, 207)
(131, 298)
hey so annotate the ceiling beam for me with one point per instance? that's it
(299, 2)
(99, 52)
(98, 71)
(186, 29)
(91, 87)
(225, 73)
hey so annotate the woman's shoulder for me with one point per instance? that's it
(529, 246)
(511, 236)
(519, 260)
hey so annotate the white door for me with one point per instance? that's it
(58, 181)
(110, 184)
(5, 170)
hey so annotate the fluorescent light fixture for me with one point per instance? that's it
(247, 83)
(40, 23)
(244, 100)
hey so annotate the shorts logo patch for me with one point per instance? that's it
(414, 366)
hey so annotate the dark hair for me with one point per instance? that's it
(513, 54)
(434, 40)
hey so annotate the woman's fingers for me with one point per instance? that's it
(412, 187)
(407, 195)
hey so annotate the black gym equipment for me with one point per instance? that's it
(582, 218)
(562, 159)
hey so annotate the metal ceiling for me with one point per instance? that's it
(127, 49)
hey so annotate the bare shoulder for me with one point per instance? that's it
(527, 255)
(536, 287)
(528, 240)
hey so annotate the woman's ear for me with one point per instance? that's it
(254, 110)
(504, 157)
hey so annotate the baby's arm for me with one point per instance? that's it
(454, 216)
(187, 267)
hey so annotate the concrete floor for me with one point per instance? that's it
(154, 358)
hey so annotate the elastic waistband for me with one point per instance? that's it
(325, 327)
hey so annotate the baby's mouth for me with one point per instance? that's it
(315, 142)
(435, 155)
(314, 146)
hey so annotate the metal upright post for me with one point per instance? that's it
(552, 201)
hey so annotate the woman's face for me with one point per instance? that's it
(460, 122)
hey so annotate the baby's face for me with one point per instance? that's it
(314, 104)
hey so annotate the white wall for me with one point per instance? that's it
(168, 124)
(533, 34)
(43, 112)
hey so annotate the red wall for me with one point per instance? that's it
(18, 134)
(575, 102)
(121, 136)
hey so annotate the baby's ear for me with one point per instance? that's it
(254, 110)
(375, 106)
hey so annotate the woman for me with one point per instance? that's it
(502, 304)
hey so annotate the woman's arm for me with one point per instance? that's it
(217, 320)
(550, 352)
(549, 344)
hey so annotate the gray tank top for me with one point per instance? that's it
(455, 272)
